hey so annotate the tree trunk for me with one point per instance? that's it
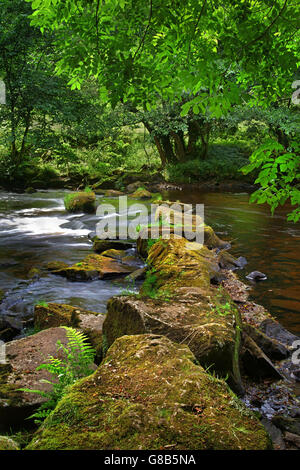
(179, 145)
(193, 135)
(160, 151)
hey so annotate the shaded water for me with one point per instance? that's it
(35, 229)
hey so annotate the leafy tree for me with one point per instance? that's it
(216, 53)
(278, 177)
(140, 49)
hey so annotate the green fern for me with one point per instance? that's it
(78, 357)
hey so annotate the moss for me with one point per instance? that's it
(9, 394)
(6, 443)
(2, 295)
(52, 315)
(34, 273)
(56, 265)
(113, 253)
(156, 397)
(94, 267)
(168, 228)
(192, 311)
(141, 193)
(100, 246)
(81, 202)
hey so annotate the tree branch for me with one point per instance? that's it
(195, 28)
(145, 32)
(268, 28)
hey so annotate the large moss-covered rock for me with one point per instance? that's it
(94, 267)
(81, 202)
(141, 193)
(6, 443)
(149, 394)
(178, 301)
(191, 320)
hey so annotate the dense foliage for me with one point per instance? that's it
(95, 87)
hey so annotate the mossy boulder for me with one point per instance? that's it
(2, 295)
(100, 245)
(6, 443)
(191, 320)
(94, 267)
(34, 273)
(81, 202)
(141, 193)
(113, 253)
(131, 188)
(148, 393)
(53, 315)
(56, 265)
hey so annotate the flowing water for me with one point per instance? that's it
(35, 229)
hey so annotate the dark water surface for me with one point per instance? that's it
(35, 229)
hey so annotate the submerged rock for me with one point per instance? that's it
(227, 261)
(81, 202)
(148, 393)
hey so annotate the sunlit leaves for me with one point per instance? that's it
(182, 42)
